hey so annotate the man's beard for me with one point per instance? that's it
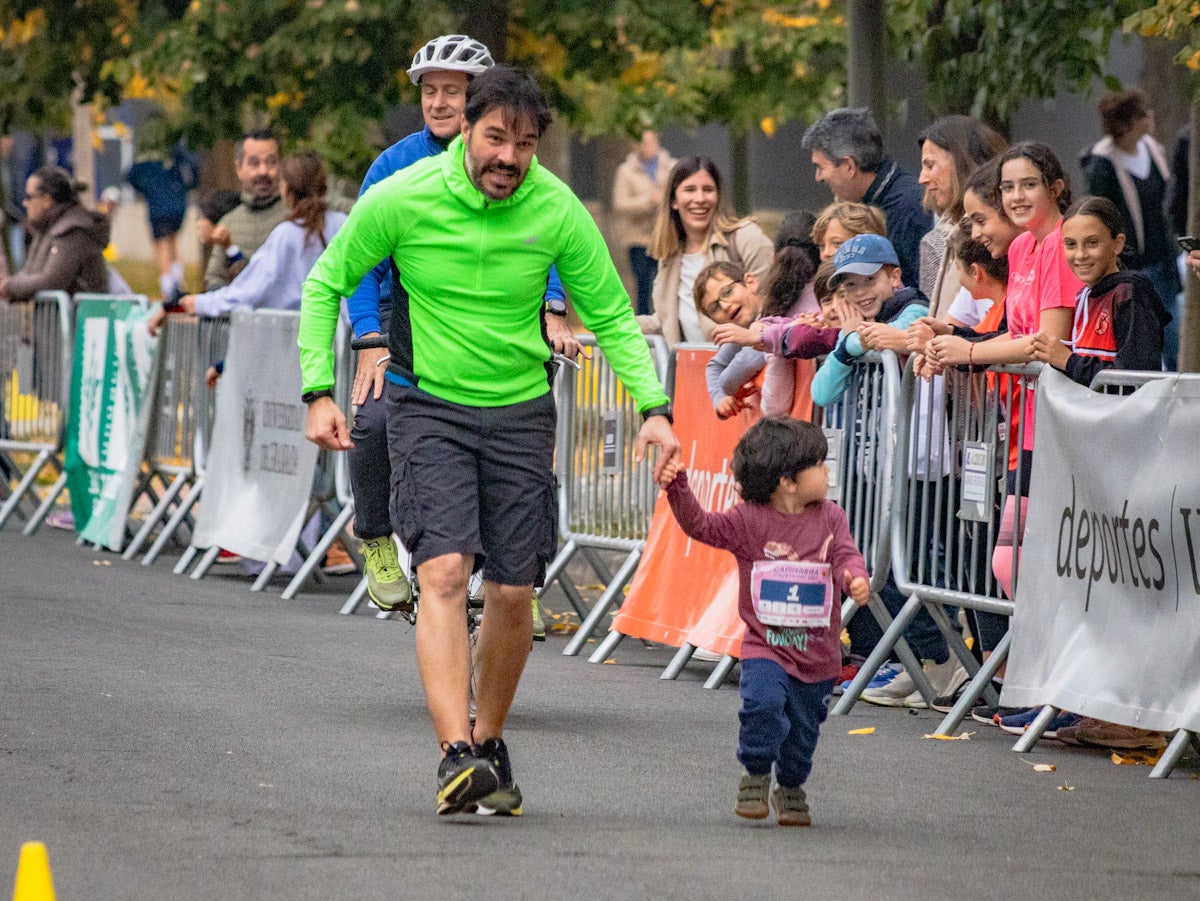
(475, 173)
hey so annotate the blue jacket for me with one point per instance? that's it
(371, 302)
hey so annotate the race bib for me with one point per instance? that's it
(792, 594)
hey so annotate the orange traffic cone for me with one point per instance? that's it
(33, 874)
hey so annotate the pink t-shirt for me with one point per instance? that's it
(1038, 279)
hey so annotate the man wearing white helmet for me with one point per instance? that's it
(441, 69)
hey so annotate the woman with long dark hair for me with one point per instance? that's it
(694, 228)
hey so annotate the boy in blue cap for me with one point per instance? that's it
(875, 309)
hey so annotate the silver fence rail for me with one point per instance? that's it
(182, 426)
(35, 384)
(606, 499)
(959, 431)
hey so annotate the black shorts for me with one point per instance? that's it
(477, 481)
(165, 226)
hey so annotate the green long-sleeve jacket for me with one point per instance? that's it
(475, 271)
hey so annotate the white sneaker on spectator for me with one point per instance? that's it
(941, 689)
(903, 687)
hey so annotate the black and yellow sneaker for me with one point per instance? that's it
(464, 777)
(506, 800)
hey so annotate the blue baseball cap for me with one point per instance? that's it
(862, 255)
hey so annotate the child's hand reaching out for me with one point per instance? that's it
(860, 588)
(673, 468)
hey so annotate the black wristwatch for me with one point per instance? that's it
(309, 396)
(558, 308)
(660, 410)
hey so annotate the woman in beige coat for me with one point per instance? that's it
(695, 228)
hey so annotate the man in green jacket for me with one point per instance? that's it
(471, 420)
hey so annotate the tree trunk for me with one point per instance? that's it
(739, 160)
(83, 155)
(487, 21)
(1189, 328)
(866, 56)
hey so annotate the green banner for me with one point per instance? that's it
(106, 425)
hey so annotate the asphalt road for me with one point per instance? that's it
(171, 739)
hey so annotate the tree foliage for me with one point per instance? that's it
(1175, 19)
(985, 58)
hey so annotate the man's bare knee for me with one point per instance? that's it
(445, 578)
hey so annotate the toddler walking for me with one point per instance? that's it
(795, 558)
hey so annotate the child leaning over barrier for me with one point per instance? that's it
(795, 558)
(1119, 318)
(875, 309)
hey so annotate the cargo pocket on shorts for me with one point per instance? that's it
(547, 538)
(404, 509)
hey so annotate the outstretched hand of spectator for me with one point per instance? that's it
(732, 333)
(1049, 349)
(925, 368)
(881, 336)
(921, 331)
(860, 588)
(948, 350)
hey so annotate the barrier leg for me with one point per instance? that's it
(980, 685)
(264, 577)
(18, 493)
(1173, 752)
(357, 596)
(205, 562)
(156, 515)
(606, 600)
(40, 514)
(173, 524)
(597, 563)
(189, 554)
(318, 553)
(678, 662)
(1035, 729)
(893, 638)
(722, 669)
(606, 647)
(559, 563)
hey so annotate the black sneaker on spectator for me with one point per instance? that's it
(990, 716)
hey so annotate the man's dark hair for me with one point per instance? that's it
(775, 447)
(512, 90)
(847, 133)
(257, 134)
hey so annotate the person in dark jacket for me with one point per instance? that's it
(1129, 167)
(1119, 317)
(67, 251)
(164, 182)
(847, 153)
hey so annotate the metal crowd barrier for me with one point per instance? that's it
(1115, 381)
(606, 500)
(35, 385)
(334, 495)
(945, 524)
(182, 426)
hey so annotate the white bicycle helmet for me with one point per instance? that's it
(450, 53)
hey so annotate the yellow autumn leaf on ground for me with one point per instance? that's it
(1066, 788)
(965, 736)
(610, 660)
(1136, 758)
(1041, 767)
(870, 730)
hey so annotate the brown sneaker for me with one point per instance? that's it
(1094, 733)
(752, 797)
(791, 806)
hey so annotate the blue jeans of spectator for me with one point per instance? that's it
(781, 718)
(644, 269)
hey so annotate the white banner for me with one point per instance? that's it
(1107, 619)
(260, 469)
